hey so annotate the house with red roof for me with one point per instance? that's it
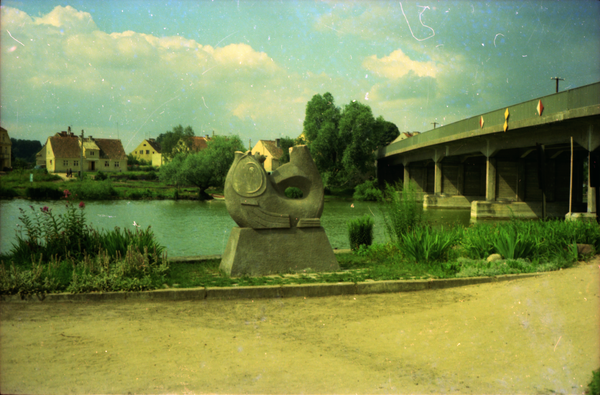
(65, 150)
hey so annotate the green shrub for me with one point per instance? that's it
(425, 244)
(478, 241)
(45, 236)
(7, 193)
(43, 193)
(512, 244)
(100, 176)
(594, 385)
(293, 193)
(139, 194)
(402, 210)
(136, 271)
(360, 232)
(368, 191)
(90, 190)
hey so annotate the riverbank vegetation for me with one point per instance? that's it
(59, 252)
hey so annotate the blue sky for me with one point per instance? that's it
(135, 69)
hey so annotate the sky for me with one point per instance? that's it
(134, 69)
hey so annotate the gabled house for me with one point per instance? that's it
(150, 151)
(195, 144)
(271, 150)
(5, 147)
(63, 151)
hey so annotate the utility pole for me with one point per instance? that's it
(434, 123)
(81, 157)
(557, 79)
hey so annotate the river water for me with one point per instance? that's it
(188, 228)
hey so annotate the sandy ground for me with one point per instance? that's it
(532, 336)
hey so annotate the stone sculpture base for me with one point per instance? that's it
(257, 252)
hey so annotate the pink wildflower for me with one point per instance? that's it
(44, 209)
(81, 204)
(67, 193)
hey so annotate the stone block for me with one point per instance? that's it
(259, 252)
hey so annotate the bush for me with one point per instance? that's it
(368, 191)
(7, 193)
(360, 232)
(512, 244)
(594, 385)
(425, 244)
(402, 211)
(293, 193)
(43, 193)
(478, 241)
(94, 190)
(100, 176)
(139, 194)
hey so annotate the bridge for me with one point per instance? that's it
(528, 159)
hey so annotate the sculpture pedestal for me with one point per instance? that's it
(257, 252)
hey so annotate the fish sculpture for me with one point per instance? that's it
(256, 199)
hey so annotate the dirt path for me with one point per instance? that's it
(538, 335)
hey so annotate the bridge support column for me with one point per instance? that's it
(437, 185)
(521, 172)
(591, 191)
(490, 179)
(406, 174)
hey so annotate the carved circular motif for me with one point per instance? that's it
(250, 179)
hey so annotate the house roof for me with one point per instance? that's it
(111, 149)
(271, 146)
(198, 143)
(67, 146)
(154, 144)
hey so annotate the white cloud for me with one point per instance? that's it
(70, 73)
(398, 64)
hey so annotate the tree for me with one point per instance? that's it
(205, 168)
(386, 131)
(357, 129)
(321, 135)
(342, 142)
(24, 149)
(285, 143)
(168, 140)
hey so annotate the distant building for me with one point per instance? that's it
(150, 151)
(196, 144)
(405, 135)
(5, 146)
(271, 149)
(63, 151)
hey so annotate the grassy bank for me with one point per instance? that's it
(129, 185)
(58, 252)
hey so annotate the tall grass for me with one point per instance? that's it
(360, 232)
(402, 210)
(425, 244)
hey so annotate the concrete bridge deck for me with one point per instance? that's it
(512, 161)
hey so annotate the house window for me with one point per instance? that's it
(50, 161)
(75, 163)
(116, 163)
(91, 153)
(144, 145)
(65, 163)
(106, 164)
(147, 151)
